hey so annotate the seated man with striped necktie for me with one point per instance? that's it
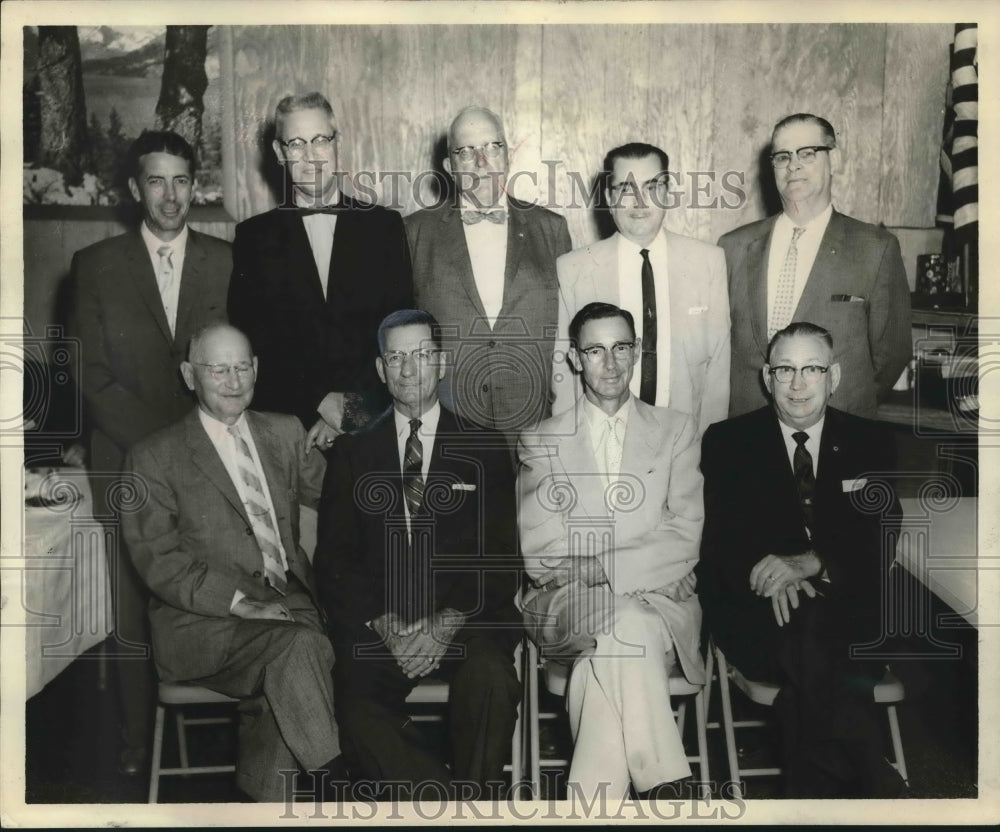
(215, 537)
(417, 566)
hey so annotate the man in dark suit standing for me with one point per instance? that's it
(217, 541)
(311, 280)
(137, 300)
(811, 263)
(795, 553)
(485, 266)
(417, 565)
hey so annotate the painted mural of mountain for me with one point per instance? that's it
(144, 62)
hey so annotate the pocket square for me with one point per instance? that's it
(697, 310)
(463, 486)
(853, 485)
(847, 298)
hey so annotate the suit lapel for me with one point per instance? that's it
(603, 275)
(576, 455)
(456, 252)
(300, 264)
(823, 273)
(757, 256)
(270, 453)
(144, 280)
(516, 230)
(188, 299)
(206, 459)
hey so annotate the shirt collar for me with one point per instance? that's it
(428, 421)
(659, 239)
(219, 430)
(179, 243)
(302, 201)
(597, 417)
(814, 432)
(821, 220)
(466, 205)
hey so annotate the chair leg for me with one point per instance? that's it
(681, 717)
(897, 744)
(701, 726)
(534, 740)
(182, 746)
(727, 724)
(517, 741)
(154, 772)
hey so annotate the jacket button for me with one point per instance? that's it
(486, 388)
(257, 574)
(493, 343)
(249, 531)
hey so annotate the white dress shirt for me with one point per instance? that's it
(225, 446)
(320, 229)
(487, 245)
(812, 443)
(599, 428)
(178, 246)
(630, 298)
(806, 249)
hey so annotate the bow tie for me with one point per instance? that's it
(471, 217)
(325, 209)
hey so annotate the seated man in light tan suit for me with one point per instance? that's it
(625, 474)
(674, 286)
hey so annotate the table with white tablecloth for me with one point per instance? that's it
(65, 585)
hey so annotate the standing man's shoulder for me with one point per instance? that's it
(537, 214)
(745, 233)
(214, 246)
(98, 255)
(572, 263)
(257, 227)
(371, 212)
(860, 231)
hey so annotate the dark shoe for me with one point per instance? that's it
(132, 761)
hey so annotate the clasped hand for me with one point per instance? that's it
(274, 610)
(781, 578)
(587, 570)
(418, 647)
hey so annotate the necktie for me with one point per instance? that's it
(613, 448)
(647, 385)
(325, 209)
(784, 290)
(260, 516)
(805, 479)
(165, 282)
(413, 473)
(471, 217)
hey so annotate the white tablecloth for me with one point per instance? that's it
(65, 591)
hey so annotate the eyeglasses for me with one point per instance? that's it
(296, 147)
(221, 371)
(620, 350)
(806, 155)
(423, 357)
(633, 188)
(811, 373)
(490, 150)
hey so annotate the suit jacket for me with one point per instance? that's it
(129, 362)
(309, 345)
(191, 540)
(499, 377)
(463, 553)
(699, 321)
(871, 337)
(752, 509)
(655, 537)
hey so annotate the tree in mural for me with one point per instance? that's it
(182, 90)
(64, 142)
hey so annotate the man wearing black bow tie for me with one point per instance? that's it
(417, 566)
(485, 266)
(312, 279)
(799, 535)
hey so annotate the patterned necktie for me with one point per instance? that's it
(471, 217)
(613, 448)
(260, 516)
(165, 282)
(413, 470)
(805, 479)
(784, 289)
(647, 384)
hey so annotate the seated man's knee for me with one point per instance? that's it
(635, 628)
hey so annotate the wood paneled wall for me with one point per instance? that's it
(708, 94)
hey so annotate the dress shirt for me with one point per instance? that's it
(320, 229)
(225, 446)
(487, 245)
(426, 432)
(812, 443)
(806, 249)
(630, 298)
(177, 246)
(597, 424)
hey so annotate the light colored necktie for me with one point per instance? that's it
(165, 282)
(260, 516)
(784, 290)
(613, 448)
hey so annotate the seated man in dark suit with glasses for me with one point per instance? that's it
(417, 567)
(794, 562)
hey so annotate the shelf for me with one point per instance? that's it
(963, 320)
(899, 409)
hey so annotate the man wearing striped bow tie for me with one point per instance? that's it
(216, 540)
(484, 264)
